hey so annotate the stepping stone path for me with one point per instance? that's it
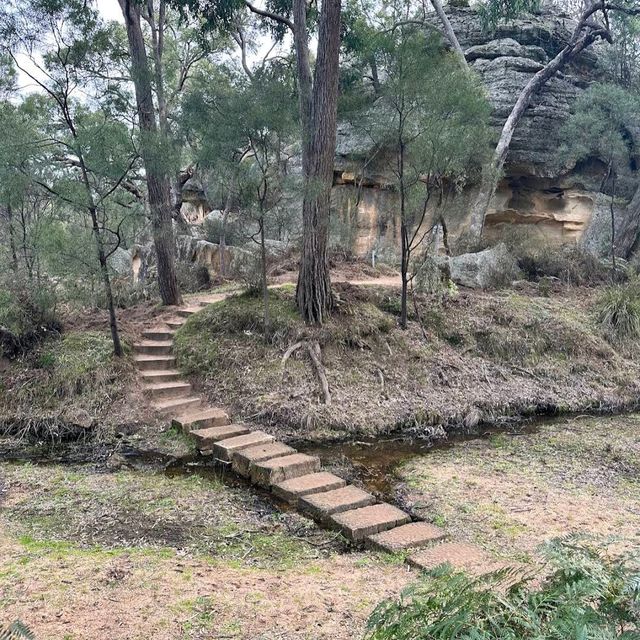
(295, 478)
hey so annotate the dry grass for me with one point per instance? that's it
(511, 492)
(132, 556)
(486, 358)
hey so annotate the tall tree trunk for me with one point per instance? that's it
(265, 287)
(629, 232)
(319, 121)
(450, 33)
(102, 257)
(12, 238)
(158, 185)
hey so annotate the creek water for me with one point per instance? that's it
(371, 463)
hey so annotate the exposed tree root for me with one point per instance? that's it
(315, 355)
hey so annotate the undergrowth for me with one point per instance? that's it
(618, 313)
(75, 372)
(585, 594)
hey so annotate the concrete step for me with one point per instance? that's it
(292, 490)
(211, 417)
(459, 555)
(185, 312)
(242, 461)
(153, 347)
(224, 449)
(206, 438)
(277, 470)
(154, 362)
(177, 405)
(320, 506)
(173, 389)
(160, 334)
(160, 375)
(408, 536)
(175, 323)
(366, 521)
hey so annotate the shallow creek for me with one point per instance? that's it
(370, 463)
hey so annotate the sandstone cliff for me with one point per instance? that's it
(556, 202)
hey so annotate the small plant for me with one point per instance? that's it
(16, 631)
(586, 594)
(619, 313)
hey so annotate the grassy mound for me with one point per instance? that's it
(73, 379)
(477, 357)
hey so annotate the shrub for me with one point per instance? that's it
(213, 231)
(619, 313)
(27, 314)
(568, 263)
(192, 277)
(586, 594)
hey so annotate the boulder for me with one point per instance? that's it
(121, 261)
(486, 269)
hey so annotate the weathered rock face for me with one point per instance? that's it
(558, 203)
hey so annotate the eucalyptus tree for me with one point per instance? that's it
(432, 121)
(155, 151)
(317, 85)
(242, 125)
(592, 24)
(599, 128)
(93, 152)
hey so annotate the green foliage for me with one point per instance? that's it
(599, 126)
(17, 631)
(27, 315)
(495, 12)
(618, 313)
(585, 594)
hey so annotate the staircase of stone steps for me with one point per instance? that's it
(293, 477)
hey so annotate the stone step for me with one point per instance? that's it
(243, 460)
(154, 362)
(175, 323)
(320, 506)
(292, 490)
(408, 536)
(185, 312)
(211, 417)
(177, 405)
(153, 347)
(160, 375)
(206, 438)
(224, 449)
(277, 470)
(459, 555)
(173, 389)
(159, 334)
(366, 521)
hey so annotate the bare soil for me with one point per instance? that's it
(511, 492)
(129, 555)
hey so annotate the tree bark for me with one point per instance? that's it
(450, 33)
(629, 232)
(158, 185)
(12, 238)
(265, 287)
(319, 121)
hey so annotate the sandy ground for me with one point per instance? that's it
(130, 555)
(511, 493)
(128, 595)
